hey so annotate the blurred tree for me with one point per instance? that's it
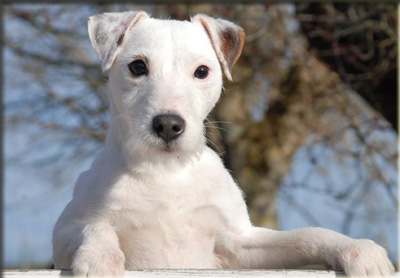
(61, 82)
(359, 42)
(282, 96)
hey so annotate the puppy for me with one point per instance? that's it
(157, 196)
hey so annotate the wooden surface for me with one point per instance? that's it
(184, 273)
(179, 273)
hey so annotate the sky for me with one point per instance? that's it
(372, 212)
(34, 195)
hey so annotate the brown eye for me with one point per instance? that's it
(201, 72)
(138, 68)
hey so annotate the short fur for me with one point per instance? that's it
(151, 203)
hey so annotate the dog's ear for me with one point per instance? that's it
(227, 40)
(107, 31)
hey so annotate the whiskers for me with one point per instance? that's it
(215, 126)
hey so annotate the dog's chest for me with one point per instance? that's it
(175, 224)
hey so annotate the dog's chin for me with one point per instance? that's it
(150, 146)
(168, 149)
(172, 147)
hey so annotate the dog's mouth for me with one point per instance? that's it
(169, 148)
(165, 146)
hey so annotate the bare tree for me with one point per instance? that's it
(359, 42)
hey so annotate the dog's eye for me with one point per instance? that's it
(137, 68)
(201, 72)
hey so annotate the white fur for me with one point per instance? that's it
(148, 204)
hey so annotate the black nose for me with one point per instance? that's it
(168, 127)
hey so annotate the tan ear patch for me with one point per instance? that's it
(226, 38)
(232, 45)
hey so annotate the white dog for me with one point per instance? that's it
(157, 196)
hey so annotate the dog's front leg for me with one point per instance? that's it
(264, 248)
(99, 254)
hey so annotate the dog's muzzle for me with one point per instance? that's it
(168, 127)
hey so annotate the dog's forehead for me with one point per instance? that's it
(168, 35)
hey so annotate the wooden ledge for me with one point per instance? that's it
(178, 273)
(193, 273)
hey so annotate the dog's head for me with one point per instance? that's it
(164, 76)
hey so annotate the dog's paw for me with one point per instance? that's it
(364, 258)
(98, 261)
